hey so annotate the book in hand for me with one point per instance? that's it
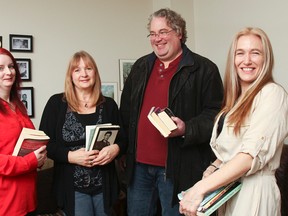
(29, 140)
(165, 115)
(161, 119)
(215, 199)
(101, 135)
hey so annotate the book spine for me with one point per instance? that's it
(216, 197)
(209, 197)
(221, 201)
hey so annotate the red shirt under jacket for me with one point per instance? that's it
(17, 174)
(151, 145)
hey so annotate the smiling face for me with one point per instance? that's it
(83, 76)
(167, 46)
(249, 59)
(7, 72)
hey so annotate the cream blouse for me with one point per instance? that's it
(262, 136)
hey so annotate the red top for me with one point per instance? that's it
(17, 174)
(151, 145)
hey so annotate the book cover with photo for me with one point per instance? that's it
(99, 136)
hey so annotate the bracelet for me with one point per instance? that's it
(213, 165)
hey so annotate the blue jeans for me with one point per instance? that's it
(149, 184)
(89, 205)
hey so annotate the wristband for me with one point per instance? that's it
(213, 165)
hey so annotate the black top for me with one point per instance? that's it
(195, 96)
(52, 123)
(86, 179)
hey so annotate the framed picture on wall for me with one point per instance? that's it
(21, 43)
(109, 89)
(24, 66)
(27, 98)
(0, 41)
(125, 66)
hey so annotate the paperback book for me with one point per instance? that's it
(29, 140)
(165, 115)
(215, 199)
(161, 119)
(101, 135)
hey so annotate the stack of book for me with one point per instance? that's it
(161, 119)
(215, 199)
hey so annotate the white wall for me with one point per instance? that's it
(216, 22)
(108, 30)
(113, 30)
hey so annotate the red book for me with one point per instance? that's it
(29, 140)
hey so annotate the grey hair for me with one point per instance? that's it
(174, 20)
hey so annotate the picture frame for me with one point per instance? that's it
(110, 89)
(24, 65)
(21, 43)
(26, 95)
(1, 42)
(125, 66)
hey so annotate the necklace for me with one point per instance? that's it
(85, 104)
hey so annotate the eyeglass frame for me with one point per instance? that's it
(161, 34)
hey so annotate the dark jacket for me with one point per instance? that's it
(63, 186)
(195, 96)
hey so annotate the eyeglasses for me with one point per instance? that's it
(161, 34)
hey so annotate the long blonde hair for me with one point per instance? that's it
(240, 107)
(69, 91)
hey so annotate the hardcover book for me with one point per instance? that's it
(29, 140)
(217, 198)
(99, 136)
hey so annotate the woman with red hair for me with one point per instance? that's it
(17, 174)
